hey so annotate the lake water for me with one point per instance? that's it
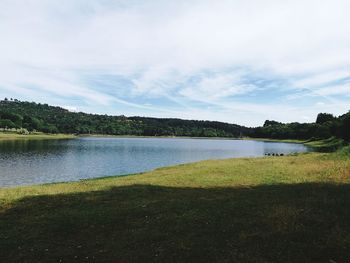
(44, 161)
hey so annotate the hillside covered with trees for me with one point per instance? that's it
(50, 119)
(33, 116)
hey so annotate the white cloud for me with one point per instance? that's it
(322, 79)
(343, 90)
(320, 103)
(161, 45)
(214, 88)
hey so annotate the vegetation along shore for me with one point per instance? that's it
(34, 136)
(50, 119)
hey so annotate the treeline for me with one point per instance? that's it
(326, 126)
(42, 117)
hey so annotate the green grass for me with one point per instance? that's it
(327, 145)
(35, 136)
(275, 209)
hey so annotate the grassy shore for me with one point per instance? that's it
(34, 136)
(275, 209)
(327, 145)
(331, 144)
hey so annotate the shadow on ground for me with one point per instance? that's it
(143, 223)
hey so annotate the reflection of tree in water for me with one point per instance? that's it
(37, 146)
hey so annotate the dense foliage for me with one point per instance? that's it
(326, 126)
(45, 118)
(42, 117)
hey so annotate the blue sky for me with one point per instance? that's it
(238, 61)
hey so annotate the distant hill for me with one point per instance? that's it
(51, 119)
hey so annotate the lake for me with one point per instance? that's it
(44, 161)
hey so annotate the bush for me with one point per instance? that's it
(23, 131)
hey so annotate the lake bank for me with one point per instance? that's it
(280, 209)
(29, 162)
(327, 145)
(36, 136)
(331, 144)
(319, 145)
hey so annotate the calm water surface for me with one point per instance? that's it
(45, 161)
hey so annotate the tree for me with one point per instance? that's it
(7, 124)
(271, 123)
(32, 123)
(345, 126)
(324, 117)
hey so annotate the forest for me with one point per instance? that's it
(42, 117)
(325, 126)
(31, 116)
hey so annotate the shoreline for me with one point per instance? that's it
(17, 137)
(313, 145)
(155, 137)
(39, 136)
(116, 177)
(112, 177)
(36, 136)
(197, 138)
(316, 144)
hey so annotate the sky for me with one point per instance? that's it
(237, 61)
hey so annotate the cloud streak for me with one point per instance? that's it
(183, 59)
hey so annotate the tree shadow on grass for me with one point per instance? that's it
(143, 223)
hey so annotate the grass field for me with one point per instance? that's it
(275, 209)
(35, 136)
